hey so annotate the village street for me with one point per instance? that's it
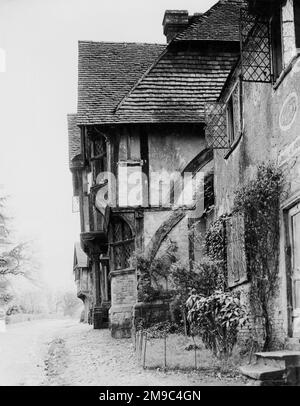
(65, 352)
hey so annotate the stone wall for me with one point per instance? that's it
(124, 296)
(271, 131)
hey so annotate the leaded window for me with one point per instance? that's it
(215, 130)
(121, 243)
(99, 158)
(255, 47)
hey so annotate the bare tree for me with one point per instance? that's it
(15, 259)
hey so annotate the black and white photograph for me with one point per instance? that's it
(149, 197)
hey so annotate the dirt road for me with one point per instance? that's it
(64, 352)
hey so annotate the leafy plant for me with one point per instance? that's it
(187, 278)
(151, 273)
(216, 319)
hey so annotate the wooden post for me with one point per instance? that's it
(195, 351)
(141, 346)
(135, 338)
(137, 342)
(165, 351)
(145, 348)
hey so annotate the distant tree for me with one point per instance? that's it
(15, 260)
(70, 304)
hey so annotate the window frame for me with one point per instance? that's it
(296, 7)
(276, 44)
(234, 114)
(98, 161)
(120, 244)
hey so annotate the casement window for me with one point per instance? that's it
(121, 244)
(233, 114)
(99, 158)
(297, 23)
(209, 196)
(276, 43)
(235, 250)
(230, 121)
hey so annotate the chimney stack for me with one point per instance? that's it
(174, 21)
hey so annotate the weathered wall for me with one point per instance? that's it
(170, 152)
(123, 297)
(170, 149)
(271, 132)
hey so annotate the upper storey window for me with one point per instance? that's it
(276, 38)
(99, 158)
(297, 23)
(233, 114)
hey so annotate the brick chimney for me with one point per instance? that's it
(174, 21)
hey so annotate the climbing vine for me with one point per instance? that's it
(258, 200)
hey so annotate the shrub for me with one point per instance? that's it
(152, 272)
(202, 277)
(216, 319)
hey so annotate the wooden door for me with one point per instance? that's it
(294, 226)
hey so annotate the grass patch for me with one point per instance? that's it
(181, 355)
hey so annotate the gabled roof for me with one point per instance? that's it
(150, 83)
(177, 87)
(219, 23)
(74, 138)
(107, 72)
(80, 257)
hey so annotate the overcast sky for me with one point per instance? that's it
(38, 88)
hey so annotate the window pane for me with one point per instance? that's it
(230, 127)
(276, 44)
(297, 22)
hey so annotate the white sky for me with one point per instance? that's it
(37, 90)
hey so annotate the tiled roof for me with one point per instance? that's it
(148, 83)
(74, 138)
(219, 23)
(80, 256)
(107, 72)
(179, 84)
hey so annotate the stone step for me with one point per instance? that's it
(279, 359)
(292, 344)
(264, 373)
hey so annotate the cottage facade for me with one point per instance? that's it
(138, 131)
(258, 113)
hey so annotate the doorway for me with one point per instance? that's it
(294, 237)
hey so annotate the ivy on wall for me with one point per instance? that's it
(258, 200)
